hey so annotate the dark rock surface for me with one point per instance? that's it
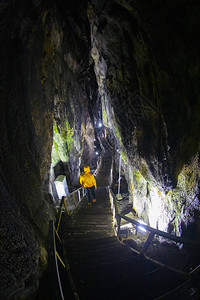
(153, 88)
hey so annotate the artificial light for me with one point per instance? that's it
(142, 228)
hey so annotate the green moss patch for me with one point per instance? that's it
(62, 143)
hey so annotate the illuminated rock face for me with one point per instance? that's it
(65, 67)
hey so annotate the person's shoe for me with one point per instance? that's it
(94, 200)
(89, 203)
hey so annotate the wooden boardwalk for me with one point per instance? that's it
(101, 266)
(104, 268)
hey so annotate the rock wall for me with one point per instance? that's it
(45, 74)
(26, 139)
(150, 101)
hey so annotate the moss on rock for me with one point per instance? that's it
(62, 143)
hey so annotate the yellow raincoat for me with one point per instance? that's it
(87, 179)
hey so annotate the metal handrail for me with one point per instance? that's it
(64, 203)
(154, 231)
(55, 256)
(53, 231)
(166, 235)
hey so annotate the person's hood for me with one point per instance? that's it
(87, 169)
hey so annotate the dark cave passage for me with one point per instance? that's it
(81, 79)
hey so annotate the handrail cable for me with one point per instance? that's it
(55, 258)
(54, 230)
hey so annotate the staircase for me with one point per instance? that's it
(104, 268)
(103, 175)
(100, 265)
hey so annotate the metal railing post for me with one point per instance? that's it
(79, 196)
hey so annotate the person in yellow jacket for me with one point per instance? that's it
(89, 182)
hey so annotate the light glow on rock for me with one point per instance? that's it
(156, 210)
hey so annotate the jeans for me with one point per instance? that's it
(90, 193)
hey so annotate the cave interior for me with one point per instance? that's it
(79, 75)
